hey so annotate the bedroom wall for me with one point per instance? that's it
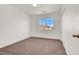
(70, 22)
(14, 25)
(55, 33)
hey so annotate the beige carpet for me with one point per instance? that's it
(35, 46)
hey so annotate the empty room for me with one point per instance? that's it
(39, 29)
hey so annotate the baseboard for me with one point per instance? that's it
(46, 38)
(14, 42)
(33, 37)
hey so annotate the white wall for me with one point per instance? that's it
(55, 33)
(70, 22)
(14, 25)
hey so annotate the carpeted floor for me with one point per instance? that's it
(35, 46)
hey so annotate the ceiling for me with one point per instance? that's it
(40, 9)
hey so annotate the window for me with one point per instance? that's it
(46, 23)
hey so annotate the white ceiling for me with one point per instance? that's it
(28, 8)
